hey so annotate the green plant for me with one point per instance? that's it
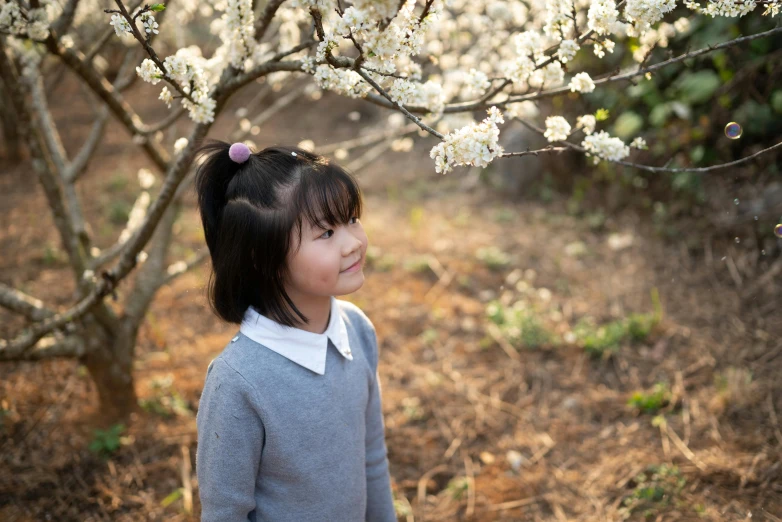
(106, 442)
(603, 340)
(521, 327)
(119, 212)
(428, 336)
(457, 486)
(117, 183)
(653, 489)
(417, 264)
(504, 215)
(653, 401)
(172, 497)
(493, 257)
(412, 408)
(53, 255)
(166, 400)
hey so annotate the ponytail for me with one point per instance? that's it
(213, 176)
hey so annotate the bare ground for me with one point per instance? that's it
(457, 398)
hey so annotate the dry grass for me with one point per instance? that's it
(480, 426)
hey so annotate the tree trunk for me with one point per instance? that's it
(110, 364)
(10, 126)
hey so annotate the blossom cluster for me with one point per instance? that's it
(644, 13)
(185, 69)
(477, 144)
(239, 31)
(601, 145)
(581, 83)
(557, 128)
(530, 44)
(32, 22)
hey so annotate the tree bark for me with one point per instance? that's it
(10, 126)
(110, 364)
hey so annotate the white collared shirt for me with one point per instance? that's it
(305, 348)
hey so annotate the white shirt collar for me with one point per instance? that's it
(305, 348)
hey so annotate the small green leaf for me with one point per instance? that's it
(171, 498)
(776, 101)
(601, 114)
(157, 7)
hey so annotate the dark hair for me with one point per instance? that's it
(249, 212)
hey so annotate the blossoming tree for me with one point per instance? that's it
(436, 62)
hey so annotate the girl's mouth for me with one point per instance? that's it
(352, 268)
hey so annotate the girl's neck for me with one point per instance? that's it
(315, 308)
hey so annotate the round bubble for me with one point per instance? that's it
(733, 130)
(778, 230)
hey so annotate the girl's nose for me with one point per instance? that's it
(351, 245)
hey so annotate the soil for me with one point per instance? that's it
(476, 429)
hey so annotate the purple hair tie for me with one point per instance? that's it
(239, 152)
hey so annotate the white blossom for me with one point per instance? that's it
(567, 50)
(773, 8)
(558, 13)
(557, 128)
(203, 111)
(525, 110)
(166, 96)
(136, 216)
(644, 13)
(180, 144)
(121, 25)
(581, 83)
(401, 91)
(149, 72)
(602, 15)
(476, 144)
(149, 23)
(601, 145)
(682, 25)
(586, 123)
(476, 82)
(639, 143)
(551, 75)
(145, 178)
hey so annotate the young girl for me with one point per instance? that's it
(290, 426)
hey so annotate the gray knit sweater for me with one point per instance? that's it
(278, 442)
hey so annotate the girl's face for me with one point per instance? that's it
(329, 262)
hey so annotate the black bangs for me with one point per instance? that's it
(328, 196)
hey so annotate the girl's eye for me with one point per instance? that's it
(327, 234)
(353, 220)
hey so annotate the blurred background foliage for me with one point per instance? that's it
(682, 112)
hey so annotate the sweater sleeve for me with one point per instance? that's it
(380, 503)
(230, 439)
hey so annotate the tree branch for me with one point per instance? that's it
(266, 17)
(50, 347)
(76, 61)
(42, 163)
(472, 106)
(651, 168)
(145, 42)
(150, 273)
(60, 26)
(23, 304)
(109, 280)
(273, 65)
(177, 269)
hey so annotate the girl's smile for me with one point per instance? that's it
(354, 267)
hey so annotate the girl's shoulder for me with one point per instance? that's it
(356, 317)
